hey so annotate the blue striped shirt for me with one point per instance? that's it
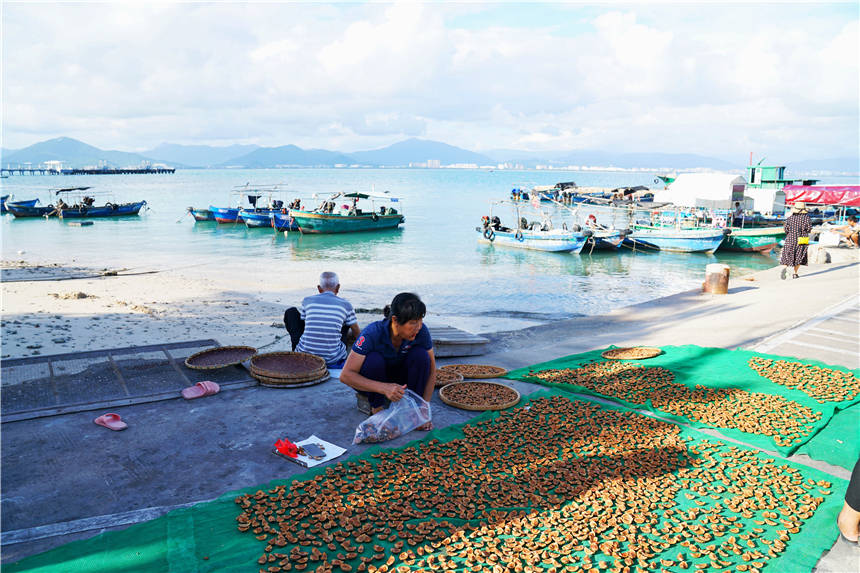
(325, 314)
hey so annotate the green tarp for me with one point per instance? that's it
(205, 537)
(713, 368)
(838, 443)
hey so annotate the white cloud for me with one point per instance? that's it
(705, 79)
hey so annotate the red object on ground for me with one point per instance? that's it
(205, 388)
(848, 195)
(111, 421)
(287, 448)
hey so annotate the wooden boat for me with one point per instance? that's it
(106, 210)
(554, 240)
(756, 239)
(201, 214)
(252, 195)
(606, 239)
(4, 201)
(256, 219)
(328, 219)
(32, 210)
(284, 222)
(676, 240)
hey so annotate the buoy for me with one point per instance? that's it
(716, 279)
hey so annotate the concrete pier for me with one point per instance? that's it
(176, 453)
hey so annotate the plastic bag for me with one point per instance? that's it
(399, 418)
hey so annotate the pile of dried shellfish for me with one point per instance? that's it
(823, 384)
(558, 485)
(785, 421)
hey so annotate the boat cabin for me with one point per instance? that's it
(765, 188)
(704, 190)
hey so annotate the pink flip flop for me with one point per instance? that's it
(205, 388)
(111, 421)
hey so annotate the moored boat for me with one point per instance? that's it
(676, 240)
(253, 196)
(349, 219)
(757, 239)
(201, 214)
(553, 240)
(107, 210)
(30, 209)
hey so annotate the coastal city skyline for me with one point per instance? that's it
(705, 79)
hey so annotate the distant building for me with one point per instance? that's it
(434, 163)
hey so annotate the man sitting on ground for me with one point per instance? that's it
(851, 231)
(326, 324)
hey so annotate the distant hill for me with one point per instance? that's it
(198, 155)
(287, 156)
(72, 153)
(419, 151)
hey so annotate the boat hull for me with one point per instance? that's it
(5, 199)
(760, 240)
(256, 220)
(309, 222)
(225, 214)
(546, 241)
(606, 240)
(109, 210)
(284, 222)
(201, 214)
(22, 210)
(677, 240)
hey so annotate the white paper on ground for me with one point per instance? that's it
(331, 451)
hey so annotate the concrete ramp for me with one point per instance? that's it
(449, 342)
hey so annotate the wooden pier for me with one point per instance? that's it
(5, 171)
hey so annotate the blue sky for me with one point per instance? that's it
(718, 79)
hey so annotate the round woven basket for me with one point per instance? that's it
(220, 357)
(303, 378)
(281, 383)
(445, 377)
(286, 364)
(632, 353)
(451, 402)
(471, 371)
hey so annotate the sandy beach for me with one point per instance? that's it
(52, 309)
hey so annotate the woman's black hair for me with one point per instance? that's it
(405, 307)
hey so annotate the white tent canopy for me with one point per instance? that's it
(709, 190)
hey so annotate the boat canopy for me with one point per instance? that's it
(843, 195)
(70, 189)
(710, 190)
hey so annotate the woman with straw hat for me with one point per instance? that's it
(797, 228)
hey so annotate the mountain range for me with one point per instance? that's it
(414, 152)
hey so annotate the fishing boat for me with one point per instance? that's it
(536, 236)
(30, 209)
(6, 199)
(328, 218)
(757, 239)
(252, 199)
(284, 222)
(676, 240)
(606, 239)
(201, 214)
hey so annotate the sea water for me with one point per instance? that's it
(435, 254)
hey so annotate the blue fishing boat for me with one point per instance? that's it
(259, 198)
(553, 240)
(32, 210)
(84, 211)
(284, 222)
(328, 218)
(6, 199)
(257, 219)
(201, 214)
(606, 239)
(675, 239)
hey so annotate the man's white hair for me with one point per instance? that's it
(329, 280)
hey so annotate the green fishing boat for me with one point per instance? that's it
(761, 239)
(330, 217)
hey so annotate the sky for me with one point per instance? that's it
(777, 79)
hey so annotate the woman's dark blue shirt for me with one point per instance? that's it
(376, 337)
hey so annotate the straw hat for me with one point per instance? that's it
(799, 207)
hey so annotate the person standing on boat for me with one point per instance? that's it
(325, 324)
(797, 228)
(393, 355)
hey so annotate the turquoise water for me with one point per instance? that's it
(436, 253)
